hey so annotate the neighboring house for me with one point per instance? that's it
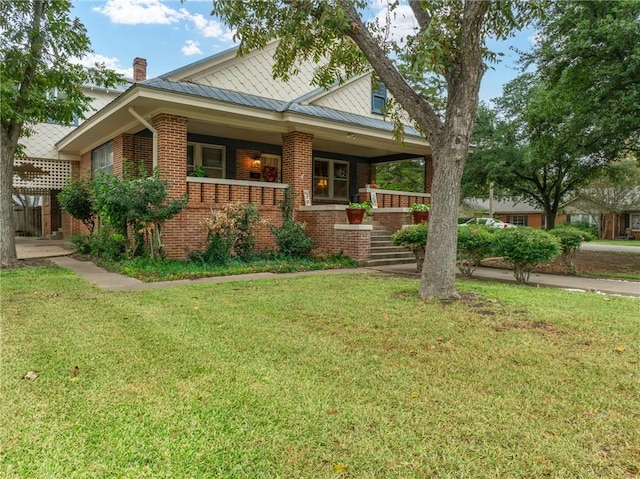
(623, 224)
(43, 171)
(252, 136)
(509, 211)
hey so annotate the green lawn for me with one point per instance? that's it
(617, 242)
(316, 377)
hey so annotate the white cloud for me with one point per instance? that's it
(210, 28)
(135, 12)
(112, 63)
(191, 48)
(401, 21)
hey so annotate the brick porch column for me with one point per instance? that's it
(172, 151)
(172, 163)
(297, 164)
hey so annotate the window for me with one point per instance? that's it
(54, 95)
(635, 222)
(518, 220)
(581, 218)
(102, 160)
(378, 96)
(331, 179)
(210, 157)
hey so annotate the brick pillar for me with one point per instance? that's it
(428, 173)
(297, 163)
(172, 151)
(363, 176)
(172, 163)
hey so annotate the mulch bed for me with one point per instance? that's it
(587, 262)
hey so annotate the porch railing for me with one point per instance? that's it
(392, 198)
(222, 191)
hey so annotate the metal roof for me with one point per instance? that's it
(269, 104)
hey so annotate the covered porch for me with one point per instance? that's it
(249, 149)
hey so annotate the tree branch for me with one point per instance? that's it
(422, 16)
(421, 111)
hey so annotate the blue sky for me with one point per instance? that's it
(171, 34)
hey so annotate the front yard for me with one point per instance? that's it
(316, 376)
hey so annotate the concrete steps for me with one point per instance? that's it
(383, 252)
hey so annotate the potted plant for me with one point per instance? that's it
(357, 212)
(420, 213)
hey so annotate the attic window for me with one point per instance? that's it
(378, 97)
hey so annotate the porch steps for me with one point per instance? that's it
(383, 252)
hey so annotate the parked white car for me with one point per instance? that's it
(488, 222)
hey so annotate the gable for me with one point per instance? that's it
(352, 97)
(251, 73)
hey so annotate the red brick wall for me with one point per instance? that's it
(297, 163)
(172, 161)
(355, 244)
(143, 151)
(244, 164)
(392, 221)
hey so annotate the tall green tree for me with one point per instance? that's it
(530, 149)
(405, 175)
(448, 43)
(589, 53)
(38, 46)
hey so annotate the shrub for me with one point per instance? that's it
(525, 248)
(474, 244)
(139, 203)
(586, 227)
(413, 237)
(292, 238)
(75, 198)
(230, 231)
(570, 239)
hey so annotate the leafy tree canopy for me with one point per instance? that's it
(589, 53)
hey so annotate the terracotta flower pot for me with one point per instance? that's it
(420, 217)
(355, 215)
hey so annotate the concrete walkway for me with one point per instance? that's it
(58, 251)
(116, 282)
(579, 283)
(28, 247)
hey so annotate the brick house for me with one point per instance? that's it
(510, 211)
(225, 116)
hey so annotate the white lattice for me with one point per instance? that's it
(41, 174)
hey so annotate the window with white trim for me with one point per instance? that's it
(518, 220)
(378, 96)
(210, 157)
(330, 179)
(102, 160)
(634, 221)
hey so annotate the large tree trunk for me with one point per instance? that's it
(8, 255)
(439, 269)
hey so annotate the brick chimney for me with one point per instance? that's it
(139, 69)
